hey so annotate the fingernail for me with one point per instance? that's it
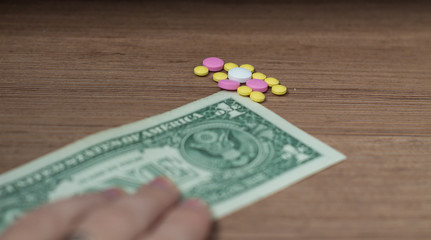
(162, 182)
(78, 236)
(113, 193)
(194, 203)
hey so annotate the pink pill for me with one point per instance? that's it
(213, 64)
(228, 84)
(257, 85)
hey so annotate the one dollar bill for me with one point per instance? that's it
(224, 148)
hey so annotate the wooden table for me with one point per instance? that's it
(359, 78)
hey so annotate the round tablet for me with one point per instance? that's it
(228, 84)
(213, 64)
(258, 75)
(279, 89)
(271, 81)
(201, 71)
(219, 76)
(248, 67)
(257, 85)
(239, 74)
(244, 91)
(257, 96)
(229, 66)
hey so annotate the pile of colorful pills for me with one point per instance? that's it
(256, 83)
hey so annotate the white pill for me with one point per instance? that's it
(239, 74)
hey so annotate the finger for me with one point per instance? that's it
(189, 221)
(129, 216)
(54, 220)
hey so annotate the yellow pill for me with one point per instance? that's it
(258, 75)
(279, 89)
(271, 81)
(248, 67)
(219, 76)
(244, 91)
(257, 96)
(201, 71)
(229, 66)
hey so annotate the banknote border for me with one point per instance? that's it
(329, 157)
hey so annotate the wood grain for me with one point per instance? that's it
(358, 76)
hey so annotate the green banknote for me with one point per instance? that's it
(224, 149)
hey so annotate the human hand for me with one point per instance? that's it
(152, 213)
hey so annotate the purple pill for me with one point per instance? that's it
(213, 64)
(228, 84)
(257, 85)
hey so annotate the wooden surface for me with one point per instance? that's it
(359, 78)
